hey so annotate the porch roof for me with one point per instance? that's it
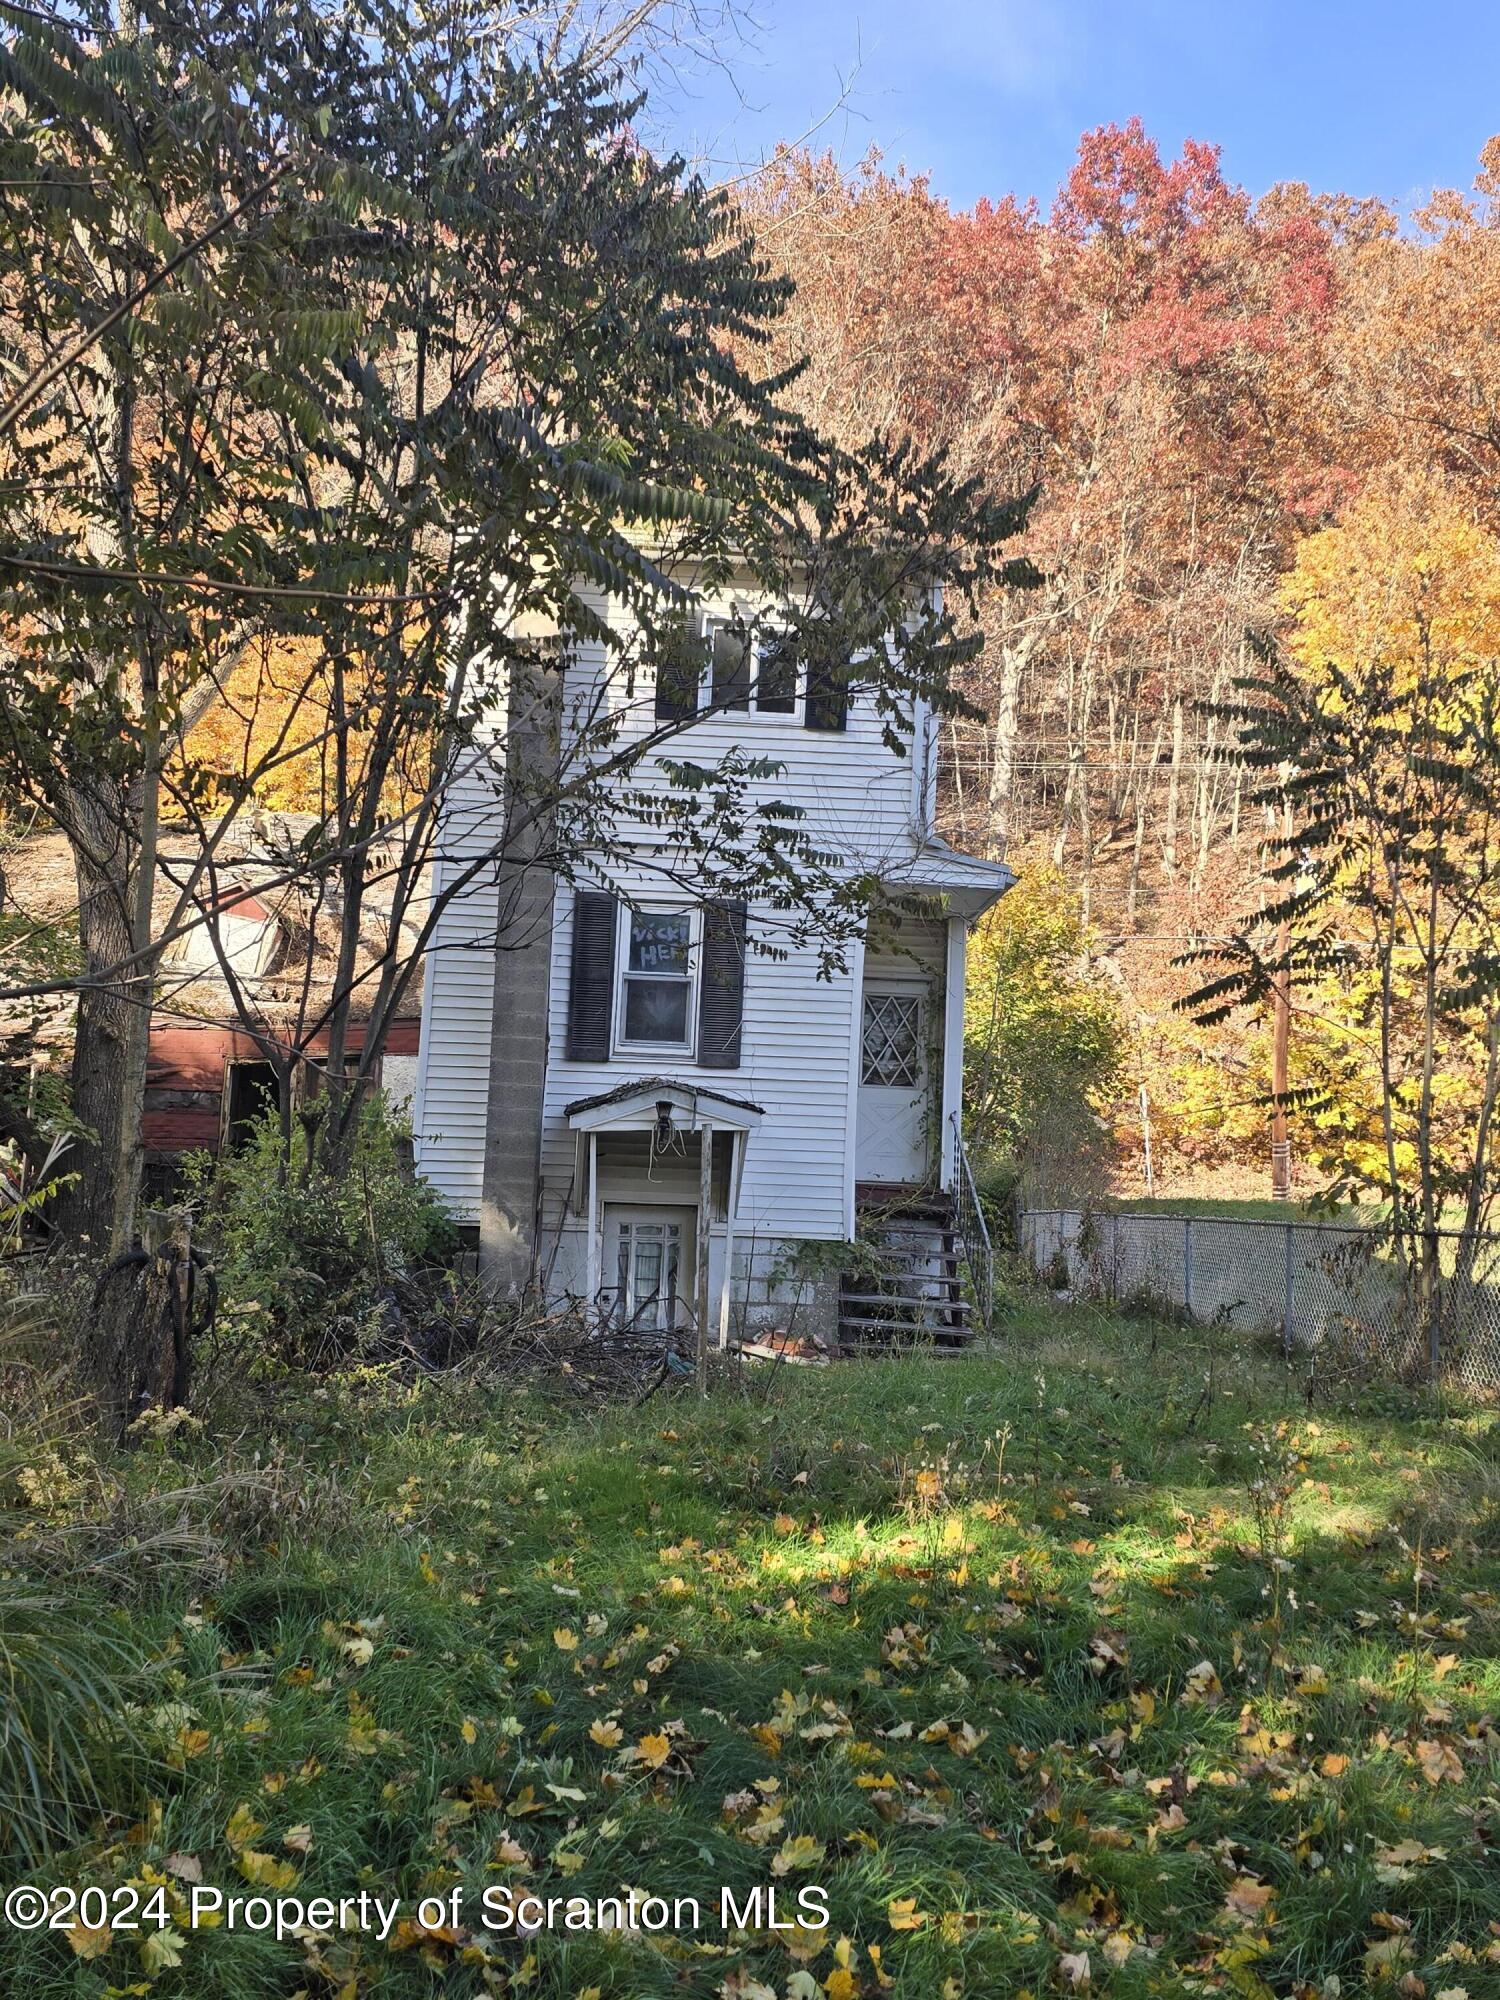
(635, 1102)
(967, 885)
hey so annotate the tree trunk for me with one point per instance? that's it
(85, 1210)
(1281, 1001)
(1144, 782)
(1013, 660)
(135, 1056)
(102, 819)
(1133, 887)
(1174, 791)
(1078, 756)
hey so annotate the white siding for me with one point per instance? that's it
(915, 945)
(794, 1063)
(855, 794)
(860, 798)
(799, 1044)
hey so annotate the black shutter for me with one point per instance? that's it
(591, 983)
(721, 987)
(827, 704)
(680, 654)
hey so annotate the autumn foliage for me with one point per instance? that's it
(1242, 416)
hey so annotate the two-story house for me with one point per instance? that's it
(632, 1105)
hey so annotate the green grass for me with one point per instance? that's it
(1101, 1646)
(1226, 1208)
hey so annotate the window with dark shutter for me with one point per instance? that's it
(657, 976)
(827, 697)
(591, 982)
(721, 987)
(680, 657)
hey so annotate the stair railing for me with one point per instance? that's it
(973, 1232)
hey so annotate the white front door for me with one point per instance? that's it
(648, 1264)
(891, 1140)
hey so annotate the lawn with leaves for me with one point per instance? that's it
(1103, 1665)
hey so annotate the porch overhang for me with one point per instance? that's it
(632, 1107)
(637, 1106)
(963, 884)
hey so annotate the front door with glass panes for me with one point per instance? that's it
(648, 1264)
(892, 1139)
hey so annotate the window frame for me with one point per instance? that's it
(756, 634)
(620, 1044)
(905, 995)
(627, 1228)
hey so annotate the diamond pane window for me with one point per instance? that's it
(892, 1041)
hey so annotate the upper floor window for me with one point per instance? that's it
(657, 979)
(751, 671)
(726, 665)
(775, 674)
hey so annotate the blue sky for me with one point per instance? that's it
(991, 95)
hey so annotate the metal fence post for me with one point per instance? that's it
(1433, 1301)
(1114, 1257)
(1288, 1310)
(1187, 1265)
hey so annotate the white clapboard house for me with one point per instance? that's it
(630, 1105)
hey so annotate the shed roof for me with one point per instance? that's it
(40, 886)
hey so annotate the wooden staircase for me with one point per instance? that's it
(911, 1291)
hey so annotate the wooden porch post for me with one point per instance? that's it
(705, 1216)
(736, 1153)
(953, 1050)
(593, 1220)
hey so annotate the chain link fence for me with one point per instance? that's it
(1335, 1292)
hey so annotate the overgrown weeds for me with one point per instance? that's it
(1030, 1659)
(318, 1268)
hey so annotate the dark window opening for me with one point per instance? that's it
(161, 1180)
(776, 675)
(679, 672)
(731, 667)
(250, 1091)
(827, 696)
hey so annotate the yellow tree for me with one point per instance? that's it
(272, 734)
(1407, 582)
(1379, 727)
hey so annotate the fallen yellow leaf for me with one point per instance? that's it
(90, 1940)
